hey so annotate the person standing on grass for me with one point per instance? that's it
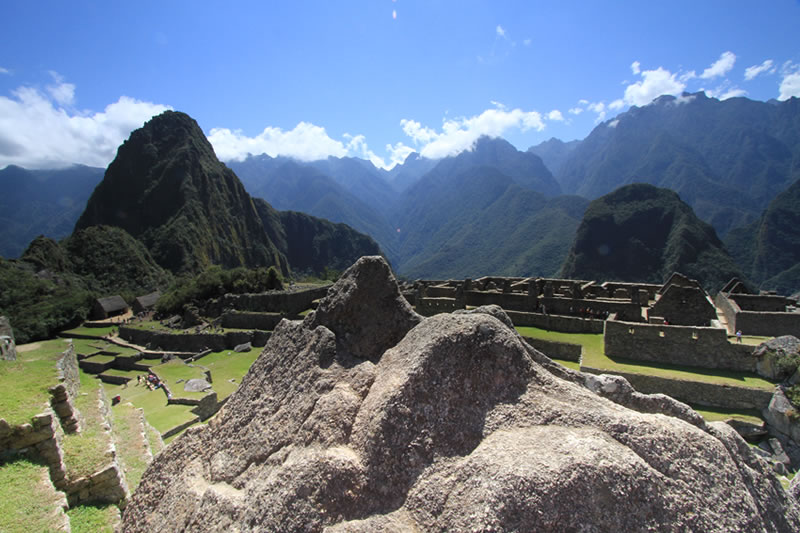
(739, 336)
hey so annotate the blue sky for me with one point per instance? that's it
(370, 78)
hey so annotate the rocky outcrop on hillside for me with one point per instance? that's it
(366, 417)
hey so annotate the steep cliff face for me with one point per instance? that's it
(367, 417)
(167, 188)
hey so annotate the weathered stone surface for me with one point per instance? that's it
(455, 424)
(246, 347)
(196, 385)
(778, 358)
(365, 310)
(782, 417)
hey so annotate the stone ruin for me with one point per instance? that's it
(8, 347)
(368, 417)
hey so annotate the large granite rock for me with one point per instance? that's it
(8, 347)
(365, 417)
(778, 358)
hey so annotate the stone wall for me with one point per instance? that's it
(510, 301)
(289, 302)
(433, 306)
(679, 345)
(768, 324)
(62, 394)
(557, 350)
(192, 342)
(251, 320)
(761, 302)
(564, 324)
(41, 439)
(695, 392)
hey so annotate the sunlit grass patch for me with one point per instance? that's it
(594, 357)
(88, 451)
(24, 382)
(93, 518)
(28, 501)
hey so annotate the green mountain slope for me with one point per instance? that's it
(167, 189)
(769, 249)
(727, 159)
(642, 233)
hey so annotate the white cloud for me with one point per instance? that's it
(583, 101)
(62, 93)
(4, 71)
(305, 142)
(636, 67)
(398, 153)
(790, 86)
(556, 115)
(527, 42)
(751, 72)
(600, 109)
(654, 84)
(617, 104)
(500, 31)
(613, 123)
(576, 110)
(36, 131)
(733, 92)
(720, 67)
(460, 134)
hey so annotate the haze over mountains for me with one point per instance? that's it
(497, 210)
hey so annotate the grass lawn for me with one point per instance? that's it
(28, 501)
(24, 382)
(94, 518)
(174, 370)
(227, 365)
(86, 452)
(594, 356)
(93, 332)
(721, 415)
(161, 416)
(131, 441)
(101, 359)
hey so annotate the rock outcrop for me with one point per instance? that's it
(778, 358)
(366, 417)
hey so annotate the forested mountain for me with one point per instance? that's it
(769, 249)
(642, 233)
(53, 284)
(35, 202)
(727, 159)
(167, 188)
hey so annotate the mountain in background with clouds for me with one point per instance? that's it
(167, 189)
(727, 159)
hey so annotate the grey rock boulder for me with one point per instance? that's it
(778, 358)
(449, 423)
(197, 385)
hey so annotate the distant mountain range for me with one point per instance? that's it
(494, 209)
(36, 202)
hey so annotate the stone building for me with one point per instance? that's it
(143, 304)
(682, 302)
(109, 307)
